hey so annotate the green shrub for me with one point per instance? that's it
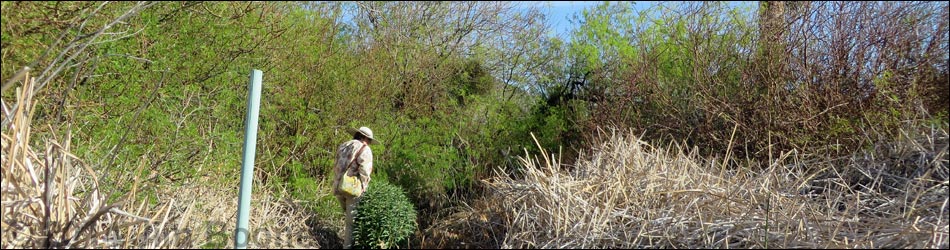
(384, 217)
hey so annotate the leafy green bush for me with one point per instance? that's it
(384, 217)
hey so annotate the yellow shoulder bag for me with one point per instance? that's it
(351, 184)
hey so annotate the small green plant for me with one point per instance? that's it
(384, 217)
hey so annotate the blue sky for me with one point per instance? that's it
(560, 12)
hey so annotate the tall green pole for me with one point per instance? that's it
(247, 166)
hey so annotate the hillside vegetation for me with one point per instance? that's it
(706, 124)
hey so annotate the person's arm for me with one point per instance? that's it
(340, 164)
(366, 167)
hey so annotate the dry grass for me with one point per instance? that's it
(51, 199)
(630, 194)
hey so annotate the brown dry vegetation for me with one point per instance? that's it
(627, 193)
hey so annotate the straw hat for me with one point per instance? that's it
(366, 132)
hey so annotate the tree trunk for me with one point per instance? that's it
(771, 43)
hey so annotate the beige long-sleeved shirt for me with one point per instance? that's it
(363, 165)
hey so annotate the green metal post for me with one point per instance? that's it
(247, 166)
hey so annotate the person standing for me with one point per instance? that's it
(353, 158)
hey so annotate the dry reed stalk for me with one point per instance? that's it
(629, 194)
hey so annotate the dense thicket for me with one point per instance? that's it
(156, 90)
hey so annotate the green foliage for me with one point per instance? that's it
(421, 156)
(384, 217)
(318, 198)
(603, 36)
(164, 96)
(472, 79)
(168, 97)
(218, 237)
(554, 126)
